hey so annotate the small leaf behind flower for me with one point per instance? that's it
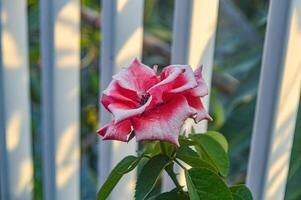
(203, 183)
(124, 166)
(219, 138)
(149, 175)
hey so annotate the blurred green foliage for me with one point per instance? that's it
(237, 56)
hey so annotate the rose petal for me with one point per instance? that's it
(123, 111)
(165, 84)
(174, 79)
(118, 131)
(201, 89)
(137, 77)
(116, 94)
(198, 109)
(163, 122)
(185, 81)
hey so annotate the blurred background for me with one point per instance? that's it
(237, 60)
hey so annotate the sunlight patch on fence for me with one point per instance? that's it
(68, 155)
(14, 130)
(129, 49)
(67, 23)
(25, 177)
(12, 58)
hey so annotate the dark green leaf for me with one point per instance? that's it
(190, 157)
(143, 162)
(192, 191)
(135, 163)
(121, 168)
(149, 175)
(172, 195)
(206, 184)
(236, 197)
(242, 191)
(213, 151)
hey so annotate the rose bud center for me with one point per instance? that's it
(144, 97)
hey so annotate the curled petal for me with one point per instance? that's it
(163, 122)
(165, 84)
(197, 107)
(137, 77)
(123, 111)
(174, 79)
(116, 94)
(118, 131)
(185, 81)
(155, 69)
(201, 89)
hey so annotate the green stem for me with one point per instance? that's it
(182, 166)
(173, 177)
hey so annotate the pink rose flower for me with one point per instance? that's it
(154, 107)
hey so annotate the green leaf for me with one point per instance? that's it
(143, 162)
(242, 191)
(123, 167)
(172, 195)
(149, 175)
(219, 138)
(190, 157)
(216, 111)
(203, 183)
(212, 151)
(237, 197)
(192, 191)
(187, 151)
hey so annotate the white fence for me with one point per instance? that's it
(122, 32)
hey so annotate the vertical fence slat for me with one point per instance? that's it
(194, 38)
(60, 48)
(4, 182)
(122, 34)
(46, 45)
(193, 43)
(277, 103)
(16, 104)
